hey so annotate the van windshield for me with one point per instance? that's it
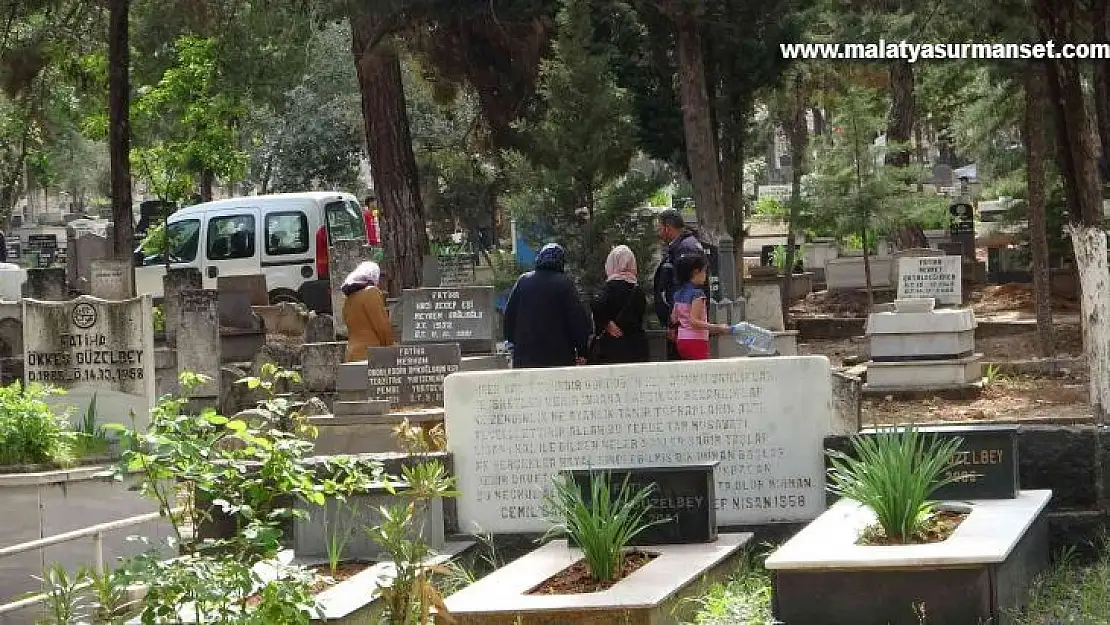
(344, 222)
(181, 239)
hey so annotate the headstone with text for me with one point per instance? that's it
(986, 465)
(198, 334)
(46, 246)
(111, 279)
(511, 432)
(681, 503)
(91, 347)
(177, 280)
(411, 375)
(463, 315)
(456, 270)
(938, 277)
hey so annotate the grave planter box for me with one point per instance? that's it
(980, 574)
(50, 502)
(683, 495)
(656, 594)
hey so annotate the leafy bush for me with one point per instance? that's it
(894, 472)
(602, 525)
(770, 207)
(30, 431)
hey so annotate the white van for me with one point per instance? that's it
(284, 236)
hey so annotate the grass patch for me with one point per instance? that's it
(743, 600)
(1071, 594)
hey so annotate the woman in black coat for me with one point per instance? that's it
(618, 311)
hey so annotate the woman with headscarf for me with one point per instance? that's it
(544, 319)
(618, 310)
(365, 312)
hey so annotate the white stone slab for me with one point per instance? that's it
(947, 320)
(986, 536)
(924, 374)
(512, 431)
(939, 277)
(847, 272)
(922, 345)
(92, 347)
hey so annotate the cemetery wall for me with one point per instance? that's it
(1074, 462)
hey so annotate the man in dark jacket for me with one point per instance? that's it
(544, 319)
(679, 241)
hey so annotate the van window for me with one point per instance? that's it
(286, 233)
(344, 222)
(231, 237)
(183, 238)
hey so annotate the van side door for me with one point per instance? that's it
(233, 243)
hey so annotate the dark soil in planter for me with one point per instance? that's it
(936, 530)
(325, 579)
(576, 578)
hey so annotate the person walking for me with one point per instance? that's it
(365, 312)
(679, 241)
(545, 322)
(618, 311)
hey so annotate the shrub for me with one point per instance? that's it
(894, 472)
(602, 525)
(30, 431)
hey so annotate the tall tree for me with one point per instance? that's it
(1035, 156)
(796, 124)
(901, 122)
(119, 127)
(389, 142)
(1100, 20)
(1062, 20)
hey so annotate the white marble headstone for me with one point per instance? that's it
(939, 277)
(764, 419)
(88, 346)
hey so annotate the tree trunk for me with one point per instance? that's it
(1056, 20)
(701, 151)
(393, 164)
(1101, 34)
(119, 128)
(1035, 154)
(900, 125)
(798, 132)
(207, 181)
(818, 121)
(867, 266)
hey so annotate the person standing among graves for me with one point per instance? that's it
(365, 312)
(691, 311)
(679, 241)
(544, 320)
(618, 311)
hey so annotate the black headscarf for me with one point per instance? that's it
(552, 258)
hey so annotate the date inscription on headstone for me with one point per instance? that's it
(411, 375)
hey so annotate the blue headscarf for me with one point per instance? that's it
(552, 258)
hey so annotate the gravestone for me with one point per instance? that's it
(253, 285)
(84, 246)
(681, 503)
(456, 270)
(943, 176)
(12, 278)
(90, 347)
(320, 365)
(320, 329)
(47, 284)
(111, 279)
(938, 277)
(346, 255)
(511, 432)
(45, 245)
(464, 316)
(411, 375)
(236, 312)
(986, 463)
(174, 283)
(198, 333)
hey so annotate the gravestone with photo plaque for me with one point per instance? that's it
(411, 375)
(463, 315)
(511, 432)
(93, 348)
(681, 504)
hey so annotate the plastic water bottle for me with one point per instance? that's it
(755, 339)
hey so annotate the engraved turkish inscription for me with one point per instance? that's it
(931, 276)
(410, 375)
(511, 432)
(440, 315)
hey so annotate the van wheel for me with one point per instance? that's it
(277, 296)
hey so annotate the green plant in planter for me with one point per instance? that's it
(158, 318)
(894, 472)
(338, 535)
(30, 431)
(411, 594)
(603, 524)
(249, 474)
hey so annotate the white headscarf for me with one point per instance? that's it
(366, 274)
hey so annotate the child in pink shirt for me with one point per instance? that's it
(691, 310)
